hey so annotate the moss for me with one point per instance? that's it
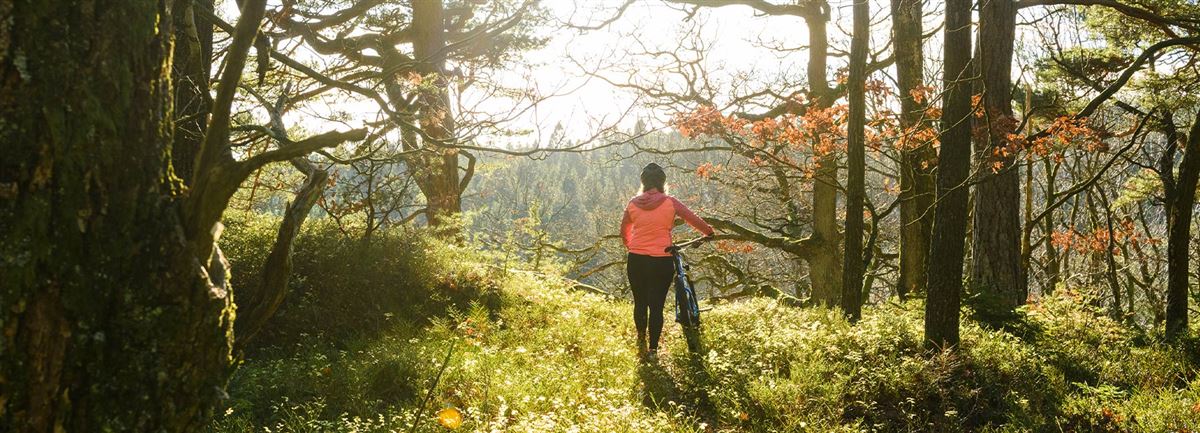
(92, 222)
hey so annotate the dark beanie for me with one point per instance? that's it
(653, 176)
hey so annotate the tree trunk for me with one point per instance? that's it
(916, 160)
(945, 265)
(825, 265)
(437, 173)
(190, 72)
(1180, 197)
(1110, 262)
(852, 281)
(1053, 275)
(112, 321)
(996, 273)
(259, 305)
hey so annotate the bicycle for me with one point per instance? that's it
(687, 306)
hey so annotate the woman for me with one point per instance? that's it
(646, 230)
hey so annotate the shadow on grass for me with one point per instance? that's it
(660, 388)
(679, 379)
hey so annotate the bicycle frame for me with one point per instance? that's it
(687, 307)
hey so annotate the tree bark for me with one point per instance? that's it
(1110, 263)
(259, 305)
(1053, 276)
(945, 265)
(997, 277)
(916, 162)
(436, 172)
(113, 321)
(190, 72)
(825, 265)
(1179, 191)
(853, 268)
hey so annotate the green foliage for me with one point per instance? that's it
(343, 288)
(808, 370)
(1106, 409)
(531, 355)
(1138, 188)
(1121, 380)
(548, 359)
(1090, 348)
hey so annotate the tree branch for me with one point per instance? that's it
(301, 148)
(802, 248)
(808, 9)
(1128, 10)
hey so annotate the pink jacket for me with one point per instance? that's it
(649, 218)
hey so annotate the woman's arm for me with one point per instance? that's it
(626, 226)
(691, 218)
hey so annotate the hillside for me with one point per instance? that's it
(528, 354)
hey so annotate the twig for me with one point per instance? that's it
(432, 388)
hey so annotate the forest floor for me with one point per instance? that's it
(539, 356)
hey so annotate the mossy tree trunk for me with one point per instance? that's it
(114, 297)
(437, 173)
(111, 319)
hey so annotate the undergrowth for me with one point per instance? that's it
(362, 346)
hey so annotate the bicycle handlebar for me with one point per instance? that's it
(694, 242)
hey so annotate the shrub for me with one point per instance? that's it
(1091, 348)
(343, 288)
(808, 370)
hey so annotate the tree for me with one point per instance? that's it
(115, 298)
(1179, 196)
(945, 264)
(822, 248)
(410, 61)
(917, 153)
(1143, 33)
(996, 274)
(437, 174)
(853, 268)
(825, 263)
(191, 69)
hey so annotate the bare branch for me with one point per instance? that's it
(808, 9)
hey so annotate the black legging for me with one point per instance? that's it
(649, 278)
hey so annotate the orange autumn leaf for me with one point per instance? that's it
(920, 93)
(1097, 240)
(708, 169)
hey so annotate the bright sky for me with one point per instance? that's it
(648, 25)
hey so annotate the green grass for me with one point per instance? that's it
(549, 359)
(532, 355)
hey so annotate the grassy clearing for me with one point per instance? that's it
(548, 359)
(528, 354)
